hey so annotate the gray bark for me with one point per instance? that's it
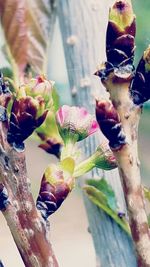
(83, 26)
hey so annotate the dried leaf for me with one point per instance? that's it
(27, 25)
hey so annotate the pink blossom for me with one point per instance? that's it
(75, 123)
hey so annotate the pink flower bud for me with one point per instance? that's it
(75, 123)
(40, 87)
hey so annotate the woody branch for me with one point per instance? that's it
(119, 118)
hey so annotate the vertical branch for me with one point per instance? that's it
(128, 164)
(120, 124)
(29, 230)
(83, 24)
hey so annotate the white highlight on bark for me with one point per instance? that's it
(144, 246)
(50, 260)
(74, 91)
(133, 200)
(38, 225)
(72, 40)
(15, 183)
(28, 182)
(28, 206)
(34, 261)
(85, 82)
(5, 174)
(29, 232)
(16, 205)
(24, 239)
(141, 217)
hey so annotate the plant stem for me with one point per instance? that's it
(128, 164)
(68, 150)
(29, 230)
(84, 167)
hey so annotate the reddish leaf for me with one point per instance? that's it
(27, 24)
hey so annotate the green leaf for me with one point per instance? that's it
(8, 77)
(146, 193)
(48, 136)
(49, 127)
(107, 190)
(100, 200)
(7, 72)
(55, 97)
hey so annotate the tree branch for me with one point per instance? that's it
(28, 229)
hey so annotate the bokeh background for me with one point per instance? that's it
(69, 227)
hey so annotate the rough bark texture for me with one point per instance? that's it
(128, 164)
(83, 26)
(29, 230)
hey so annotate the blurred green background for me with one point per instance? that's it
(142, 11)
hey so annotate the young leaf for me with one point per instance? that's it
(102, 195)
(48, 135)
(107, 190)
(27, 24)
(7, 72)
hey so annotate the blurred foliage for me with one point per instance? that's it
(7, 72)
(141, 9)
(144, 144)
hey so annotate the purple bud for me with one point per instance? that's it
(55, 186)
(109, 123)
(26, 115)
(140, 86)
(120, 35)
